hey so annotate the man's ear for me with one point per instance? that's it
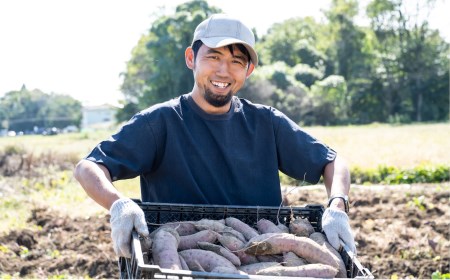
(189, 57)
(250, 69)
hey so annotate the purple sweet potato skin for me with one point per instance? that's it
(278, 243)
(301, 227)
(241, 227)
(206, 259)
(183, 228)
(219, 227)
(165, 249)
(254, 268)
(190, 241)
(308, 270)
(291, 259)
(236, 246)
(224, 252)
(184, 265)
(266, 226)
(321, 239)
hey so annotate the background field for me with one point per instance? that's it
(45, 180)
(362, 146)
(365, 146)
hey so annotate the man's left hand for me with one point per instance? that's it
(335, 224)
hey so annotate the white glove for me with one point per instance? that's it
(126, 215)
(336, 226)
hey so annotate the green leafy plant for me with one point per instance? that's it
(390, 175)
(24, 252)
(438, 275)
(394, 175)
(419, 202)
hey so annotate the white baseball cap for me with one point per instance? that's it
(221, 30)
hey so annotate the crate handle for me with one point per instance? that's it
(364, 271)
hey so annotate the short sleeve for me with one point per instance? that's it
(300, 155)
(128, 153)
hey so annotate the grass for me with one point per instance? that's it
(404, 146)
(368, 146)
(72, 143)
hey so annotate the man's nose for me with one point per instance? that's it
(223, 68)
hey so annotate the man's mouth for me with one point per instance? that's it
(220, 84)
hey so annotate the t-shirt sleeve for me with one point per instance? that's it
(300, 155)
(128, 153)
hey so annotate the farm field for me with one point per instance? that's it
(50, 229)
(365, 146)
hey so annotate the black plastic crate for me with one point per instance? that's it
(156, 214)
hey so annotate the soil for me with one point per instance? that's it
(400, 231)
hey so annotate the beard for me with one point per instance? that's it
(217, 100)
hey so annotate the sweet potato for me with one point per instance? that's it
(270, 258)
(283, 228)
(254, 268)
(224, 252)
(241, 227)
(190, 241)
(164, 248)
(219, 227)
(183, 228)
(321, 239)
(214, 225)
(301, 227)
(226, 270)
(236, 246)
(266, 226)
(183, 263)
(206, 259)
(291, 259)
(278, 243)
(308, 270)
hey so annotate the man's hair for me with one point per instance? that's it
(197, 44)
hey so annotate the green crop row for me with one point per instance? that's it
(390, 175)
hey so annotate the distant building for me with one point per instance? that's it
(98, 117)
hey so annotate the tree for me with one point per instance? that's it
(412, 57)
(293, 41)
(331, 101)
(24, 109)
(157, 71)
(275, 85)
(352, 56)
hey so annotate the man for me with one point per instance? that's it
(210, 147)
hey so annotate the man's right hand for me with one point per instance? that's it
(126, 216)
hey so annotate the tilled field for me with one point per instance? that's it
(401, 232)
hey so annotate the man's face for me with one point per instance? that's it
(219, 74)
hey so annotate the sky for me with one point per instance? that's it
(80, 47)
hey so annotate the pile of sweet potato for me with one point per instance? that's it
(233, 247)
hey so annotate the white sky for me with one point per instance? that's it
(79, 47)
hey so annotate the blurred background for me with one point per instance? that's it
(322, 63)
(369, 78)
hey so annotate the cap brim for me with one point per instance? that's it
(218, 42)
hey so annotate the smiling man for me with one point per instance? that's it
(211, 147)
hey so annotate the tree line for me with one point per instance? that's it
(30, 110)
(395, 70)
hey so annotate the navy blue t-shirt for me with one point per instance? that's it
(184, 155)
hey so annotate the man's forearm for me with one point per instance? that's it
(96, 181)
(337, 181)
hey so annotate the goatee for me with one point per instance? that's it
(217, 100)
